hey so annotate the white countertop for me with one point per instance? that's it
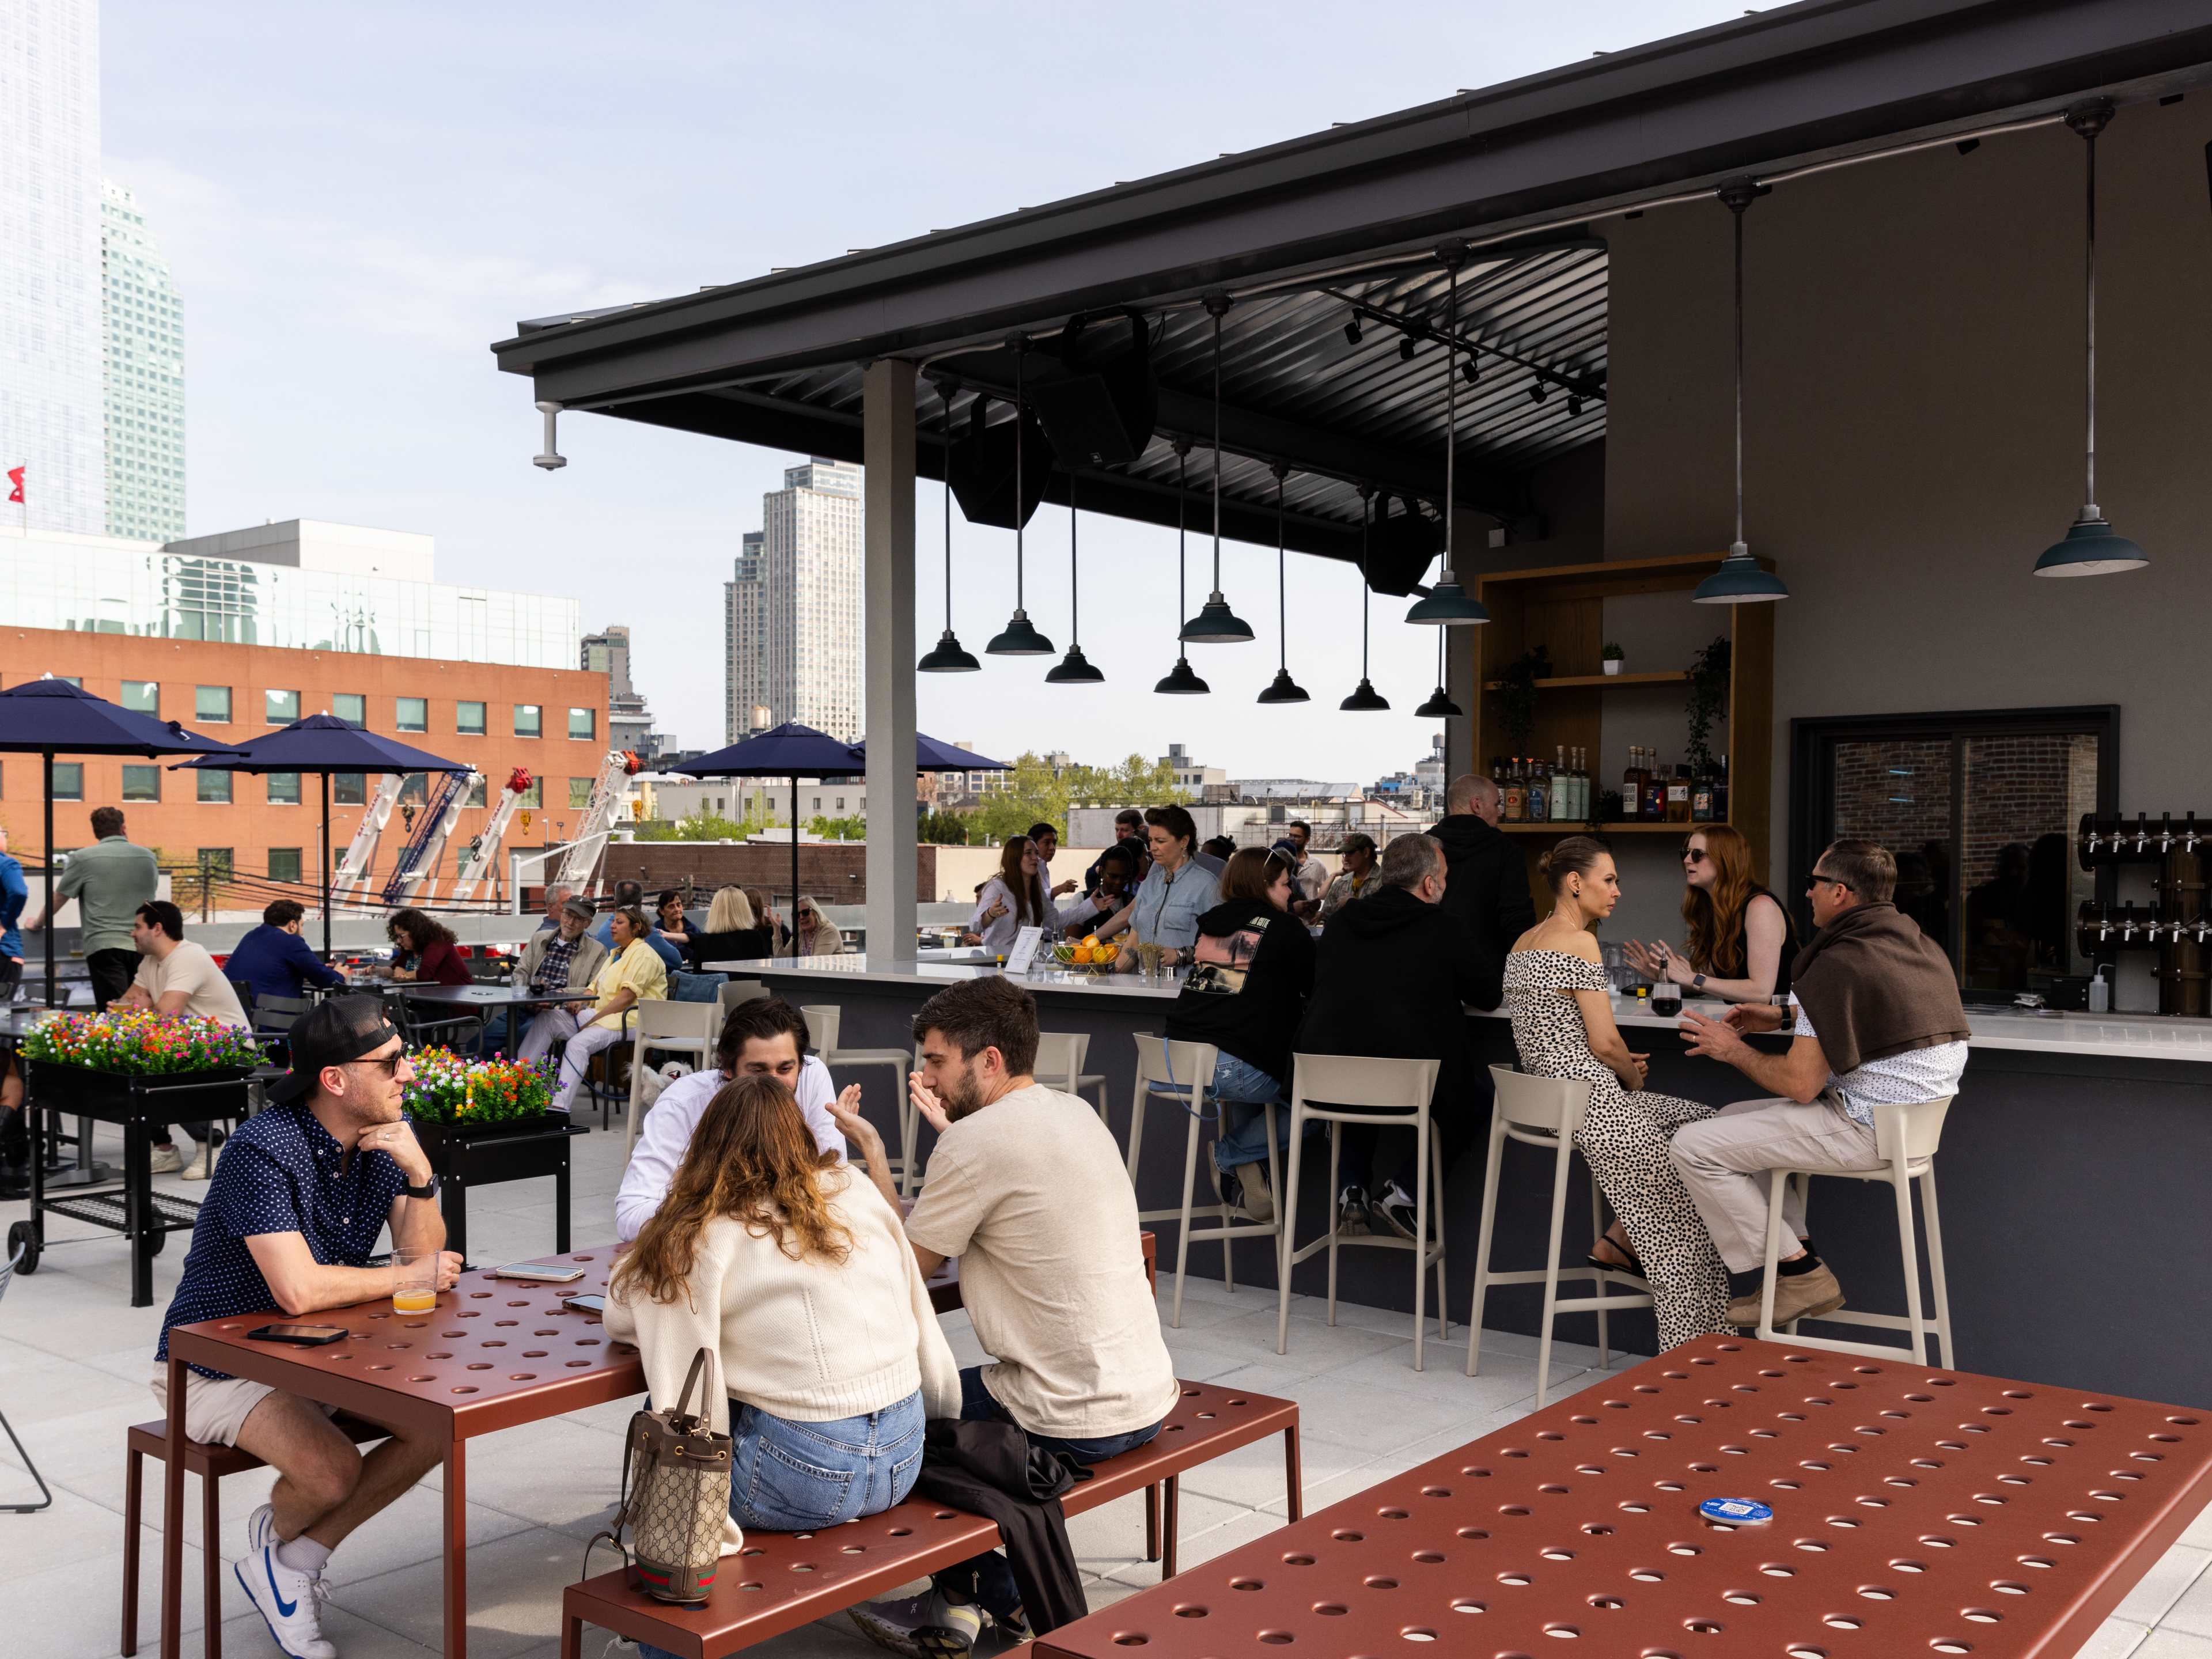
(2121, 1036)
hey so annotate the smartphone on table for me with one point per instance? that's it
(540, 1272)
(597, 1304)
(304, 1336)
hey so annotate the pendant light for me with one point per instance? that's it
(1020, 639)
(1366, 700)
(1180, 681)
(948, 656)
(1448, 605)
(1739, 580)
(1073, 669)
(1439, 706)
(2089, 548)
(1284, 688)
(1216, 624)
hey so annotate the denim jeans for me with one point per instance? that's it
(788, 1476)
(989, 1579)
(1240, 1089)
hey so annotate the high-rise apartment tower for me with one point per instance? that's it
(144, 322)
(792, 626)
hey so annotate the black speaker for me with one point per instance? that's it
(1401, 548)
(1101, 408)
(981, 467)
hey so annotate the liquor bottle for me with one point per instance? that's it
(1678, 795)
(1701, 797)
(1540, 794)
(1654, 790)
(1632, 785)
(1721, 793)
(1516, 794)
(1577, 791)
(1563, 788)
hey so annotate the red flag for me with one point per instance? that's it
(15, 477)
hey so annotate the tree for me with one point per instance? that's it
(847, 828)
(944, 830)
(702, 825)
(1032, 794)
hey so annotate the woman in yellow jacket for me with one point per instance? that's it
(632, 974)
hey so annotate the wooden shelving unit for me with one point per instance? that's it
(1562, 608)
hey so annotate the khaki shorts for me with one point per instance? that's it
(215, 1408)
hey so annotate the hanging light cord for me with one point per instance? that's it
(1217, 452)
(1075, 587)
(1451, 412)
(1739, 207)
(1364, 589)
(1183, 499)
(1021, 353)
(948, 510)
(2090, 484)
(1282, 603)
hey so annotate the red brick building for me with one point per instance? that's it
(493, 716)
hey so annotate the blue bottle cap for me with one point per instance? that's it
(1735, 1511)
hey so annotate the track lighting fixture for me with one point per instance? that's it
(1405, 347)
(1352, 331)
(1538, 392)
(1574, 407)
(1471, 371)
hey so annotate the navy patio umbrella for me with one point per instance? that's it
(324, 743)
(931, 755)
(52, 717)
(790, 750)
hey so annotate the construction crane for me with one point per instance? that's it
(351, 882)
(482, 854)
(418, 859)
(579, 859)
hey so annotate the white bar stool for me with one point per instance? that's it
(822, 1021)
(1906, 1139)
(687, 1027)
(1348, 1080)
(1543, 1111)
(1060, 1061)
(1181, 1073)
(732, 992)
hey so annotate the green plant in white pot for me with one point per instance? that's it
(1613, 656)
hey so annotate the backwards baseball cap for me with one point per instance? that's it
(330, 1033)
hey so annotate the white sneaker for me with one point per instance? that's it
(166, 1161)
(289, 1602)
(203, 1163)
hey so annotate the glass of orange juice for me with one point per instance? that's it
(414, 1281)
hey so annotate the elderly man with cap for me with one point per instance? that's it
(557, 958)
(291, 1218)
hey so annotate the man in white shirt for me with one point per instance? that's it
(1046, 840)
(765, 1035)
(1027, 1188)
(177, 977)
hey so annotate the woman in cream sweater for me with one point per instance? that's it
(794, 1274)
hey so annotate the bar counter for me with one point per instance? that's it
(2072, 1176)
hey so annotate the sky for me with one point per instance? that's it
(356, 201)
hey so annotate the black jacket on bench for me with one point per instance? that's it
(991, 1469)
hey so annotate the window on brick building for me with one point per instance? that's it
(411, 713)
(478, 791)
(68, 780)
(280, 707)
(349, 788)
(1981, 812)
(529, 720)
(468, 719)
(283, 789)
(211, 704)
(213, 787)
(584, 723)
(283, 864)
(533, 797)
(351, 707)
(142, 696)
(580, 792)
(414, 789)
(142, 783)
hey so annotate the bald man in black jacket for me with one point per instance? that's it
(1486, 895)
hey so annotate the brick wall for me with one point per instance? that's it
(831, 873)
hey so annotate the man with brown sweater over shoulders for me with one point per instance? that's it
(1878, 1022)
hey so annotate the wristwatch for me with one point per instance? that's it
(1697, 983)
(427, 1190)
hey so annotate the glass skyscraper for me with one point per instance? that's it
(145, 374)
(794, 625)
(50, 297)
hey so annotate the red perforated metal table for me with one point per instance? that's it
(1915, 1511)
(494, 1353)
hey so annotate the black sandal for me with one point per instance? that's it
(1632, 1265)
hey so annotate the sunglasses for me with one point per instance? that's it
(389, 1064)
(1816, 879)
(1693, 856)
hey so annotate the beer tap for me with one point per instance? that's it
(2189, 835)
(2142, 830)
(2204, 928)
(2165, 835)
(2104, 924)
(2128, 925)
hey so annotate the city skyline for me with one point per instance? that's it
(793, 634)
(343, 296)
(143, 320)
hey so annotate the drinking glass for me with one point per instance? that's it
(414, 1281)
(1667, 998)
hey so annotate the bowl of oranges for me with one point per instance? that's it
(1090, 954)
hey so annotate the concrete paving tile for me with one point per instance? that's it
(356, 1637)
(82, 1453)
(73, 1610)
(73, 1529)
(1320, 1345)
(2165, 1643)
(2167, 1581)
(2116, 1639)
(36, 1388)
(1111, 1537)
(1253, 1475)
(2192, 1610)
(514, 1595)
(555, 1474)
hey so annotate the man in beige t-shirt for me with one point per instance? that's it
(177, 977)
(1027, 1188)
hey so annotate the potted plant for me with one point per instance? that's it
(1707, 702)
(1613, 656)
(1516, 696)
(452, 1098)
(79, 1062)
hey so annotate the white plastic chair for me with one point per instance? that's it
(1181, 1074)
(1060, 1061)
(686, 1027)
(823, 1022)
(1546, 1112)
(1905, 1139)
(732, 992)
(1345, 1081)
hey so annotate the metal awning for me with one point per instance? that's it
(1303, 233)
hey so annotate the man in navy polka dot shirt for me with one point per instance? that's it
(303, 1192)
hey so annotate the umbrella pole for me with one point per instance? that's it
(794, 867)
(326, 866)
(48, 930)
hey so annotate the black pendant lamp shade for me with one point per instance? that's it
(1448, 605)
(1180, 681)
(1366, 700)
(1075, 668)
(1283, 688)
(2089, 548)
(1739, 581)
(1019, 638)
(948, 656)
(1215, 623)
(1439, 706)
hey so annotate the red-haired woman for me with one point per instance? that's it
(1740, 943)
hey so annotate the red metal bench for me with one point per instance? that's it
(783, 1580)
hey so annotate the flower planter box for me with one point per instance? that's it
(64, 1088)
(436, 1137)
(466, 1156)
